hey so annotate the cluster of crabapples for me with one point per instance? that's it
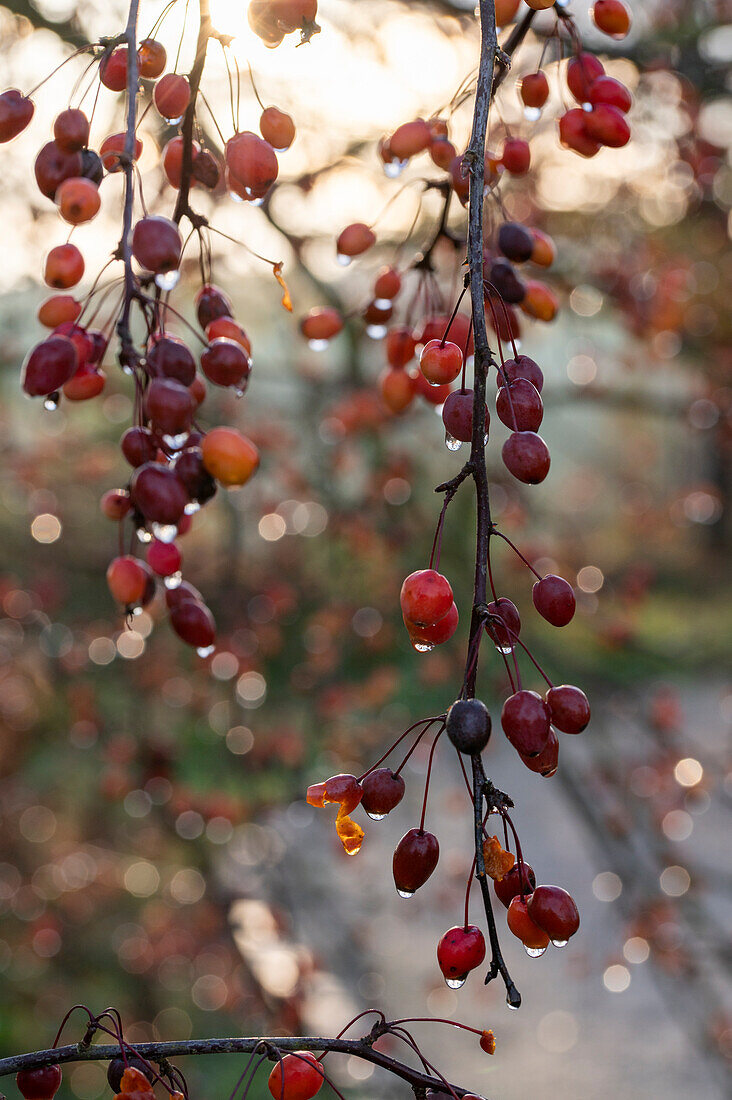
(536, 914)
(176, 465)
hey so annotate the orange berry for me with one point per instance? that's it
(78, 200)
(410, 139)
(544, 251)
(539, 301)
(523, 927)
(228, 456)
(151, 58)
(397, 389)
(64, 266)
(506, 11)
(58, 309)
(126, 580)
(277, 128)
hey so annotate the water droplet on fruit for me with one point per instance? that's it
(258, 201)
(531, 114)
(174, 121)
(382, 303)
(513, 999)
(455, 983)
(559, 943)
(375, 817)
(52, 402)
(173, 580)
(452, 443)
(534, 952)
(192, 507)
(205, 650)
(167, 280)
(144, 535)
(587, 107)
(137, 610)
(343, 260)
(165, 532)
(394, 168)
(235, 197)
(505, 649)
(376, 332)
(175, 442)
(318, 345)
(423, 647)
(405, 893)
(127, 369)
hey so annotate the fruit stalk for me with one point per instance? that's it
(127, 350)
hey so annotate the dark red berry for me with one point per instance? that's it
(16, 111)
(525, 719)
(526, 456)
(504, 624)
(523, 366)
(50, 364)
(139, 446)
(519, 406)
(382, 791)
(226, 363)
(547, 762)
(569, 708)
(511, 884)
(193, 623)
(212, 303)
(158, 493)
(555, 911)
(554, 599)
(39, 1084)
(415, 858)
(457, 415)
(169, 406)
(194, 475)
(168, 357)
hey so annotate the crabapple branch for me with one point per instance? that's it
(358, 1048)
(483, 360)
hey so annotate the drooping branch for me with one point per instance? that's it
(357, 1048)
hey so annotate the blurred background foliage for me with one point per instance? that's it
(151, 801)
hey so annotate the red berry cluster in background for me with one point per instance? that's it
(176, 464)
